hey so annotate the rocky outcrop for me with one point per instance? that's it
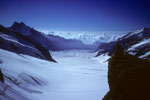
(128, 77)
(1, 76)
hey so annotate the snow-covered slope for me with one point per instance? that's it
(141, 43)
(12, 44)
(136, 43)
(76, 76)
(21, 44)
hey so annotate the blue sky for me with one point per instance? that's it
(77, 15)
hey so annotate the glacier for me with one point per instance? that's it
(78, 75)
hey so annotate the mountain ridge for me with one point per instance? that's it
(128, 41)
(51, 42)
(22, 44)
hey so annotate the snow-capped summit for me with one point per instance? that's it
(136, 43)
(138, 33)
(86, 38)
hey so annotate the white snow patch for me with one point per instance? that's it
(7, 37)
(139, 44)
(10, 38)
(146, 54)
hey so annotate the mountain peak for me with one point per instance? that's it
(20, 27)
(17, 24)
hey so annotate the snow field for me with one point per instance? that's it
(76, 76)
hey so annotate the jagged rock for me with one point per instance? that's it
(128, 77)
(1, 77)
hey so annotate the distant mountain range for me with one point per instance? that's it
(86, 38)
(23, 39)
(136, 43)
(51, 42)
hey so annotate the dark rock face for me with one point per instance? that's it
(128, 77)
(105, 48)
(24, 45)
(1, 77)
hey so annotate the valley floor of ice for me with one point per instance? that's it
(78, 75)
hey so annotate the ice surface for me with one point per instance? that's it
(76, 76)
